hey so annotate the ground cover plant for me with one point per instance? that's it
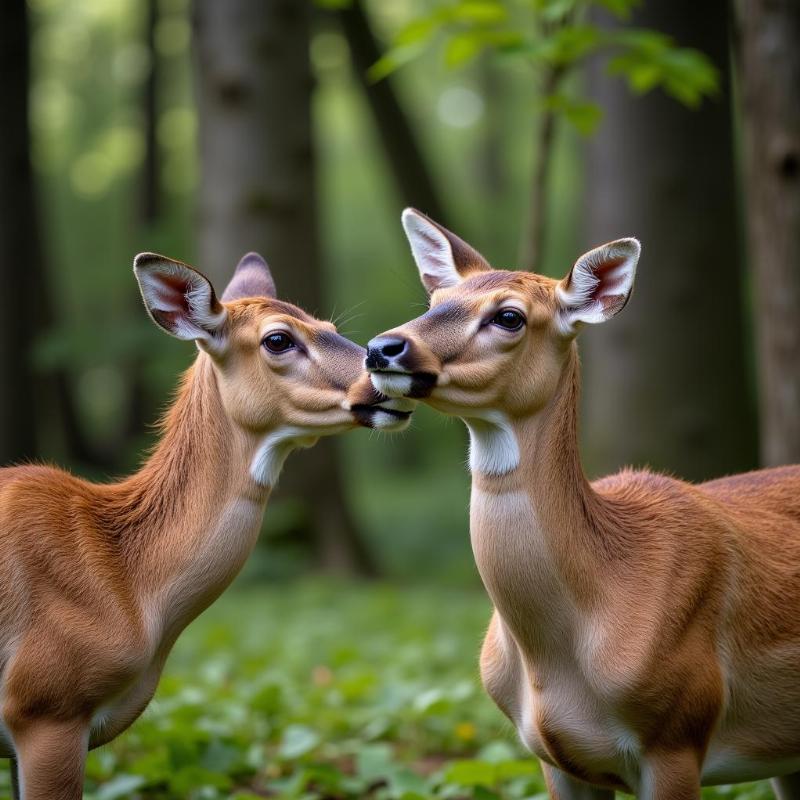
(311, 691)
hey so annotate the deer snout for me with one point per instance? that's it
(400, 367)
(372, 409)
(386, 352)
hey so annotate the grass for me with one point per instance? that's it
(320, 690)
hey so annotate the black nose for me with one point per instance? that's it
(382, 349)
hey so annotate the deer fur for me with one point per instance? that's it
(646, 631)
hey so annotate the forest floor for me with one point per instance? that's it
(324, 690)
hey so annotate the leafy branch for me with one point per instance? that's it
(554, 38)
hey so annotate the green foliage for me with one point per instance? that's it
(553, 37)
(326, 691)
(649, 60)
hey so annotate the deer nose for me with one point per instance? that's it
(384, 351)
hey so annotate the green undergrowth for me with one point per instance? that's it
(310, 691)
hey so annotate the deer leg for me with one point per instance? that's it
(14, 769)
(51, 756)
(670, 776)
(561, 786)
(787, 787)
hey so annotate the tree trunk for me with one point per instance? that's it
(533, 240)
(403, 153)
(19, 254)
(254, 88)
(666, 382)
(769, 75)
(140, 407)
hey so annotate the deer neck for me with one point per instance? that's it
(533, 526)
(187, 521)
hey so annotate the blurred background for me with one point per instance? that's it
(535, 129)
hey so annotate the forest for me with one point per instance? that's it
(343, 662)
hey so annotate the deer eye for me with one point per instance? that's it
(508, 319)
(277, 342)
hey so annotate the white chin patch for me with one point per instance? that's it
(392, 384)
(274, 449)
(382, 421)
(493, 447)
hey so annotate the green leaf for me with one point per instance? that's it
(497, 751)
(417, 31)
(482, 12)
(461, 48)
(641, 40)
(391, 61)
(650, 60)
(220, 757)
(582, 115)
(554, 10)
(571, 43)
(297, 741)
(619, 8)
(187, 779)
(482, 793)
(324, 778)
(641, 75)
(374, 762)
(404, 782)
(268, 699)
(120, 786)
(471, 773)
(516, 768)
(432, 701)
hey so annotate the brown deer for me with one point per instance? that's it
(98, 581)
(646, 632)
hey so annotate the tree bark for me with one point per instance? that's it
(533, 241)
(140, 406)
(254, 88)
(411, 174)
(666, 381)
(19, 254)
(768, 59)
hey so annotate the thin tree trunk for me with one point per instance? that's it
(257, 192)
(19, 255)
(399, 141)
(140, 409)
(768, 50)
(666, 381)
(534, 232)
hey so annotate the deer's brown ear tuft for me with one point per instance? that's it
(443, 259)
(252, 278)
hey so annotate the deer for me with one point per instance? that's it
(97, 581)
(645, 634)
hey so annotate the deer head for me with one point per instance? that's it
(282, 375)
(494, 342)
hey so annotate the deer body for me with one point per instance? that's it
(98, 581)
(640, 628)
(160, 566)
(646, 634)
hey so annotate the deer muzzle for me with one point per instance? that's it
(398, 369)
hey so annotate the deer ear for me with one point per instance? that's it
(442, 258)
(598, 286)
(179, 299)
(251, 278)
